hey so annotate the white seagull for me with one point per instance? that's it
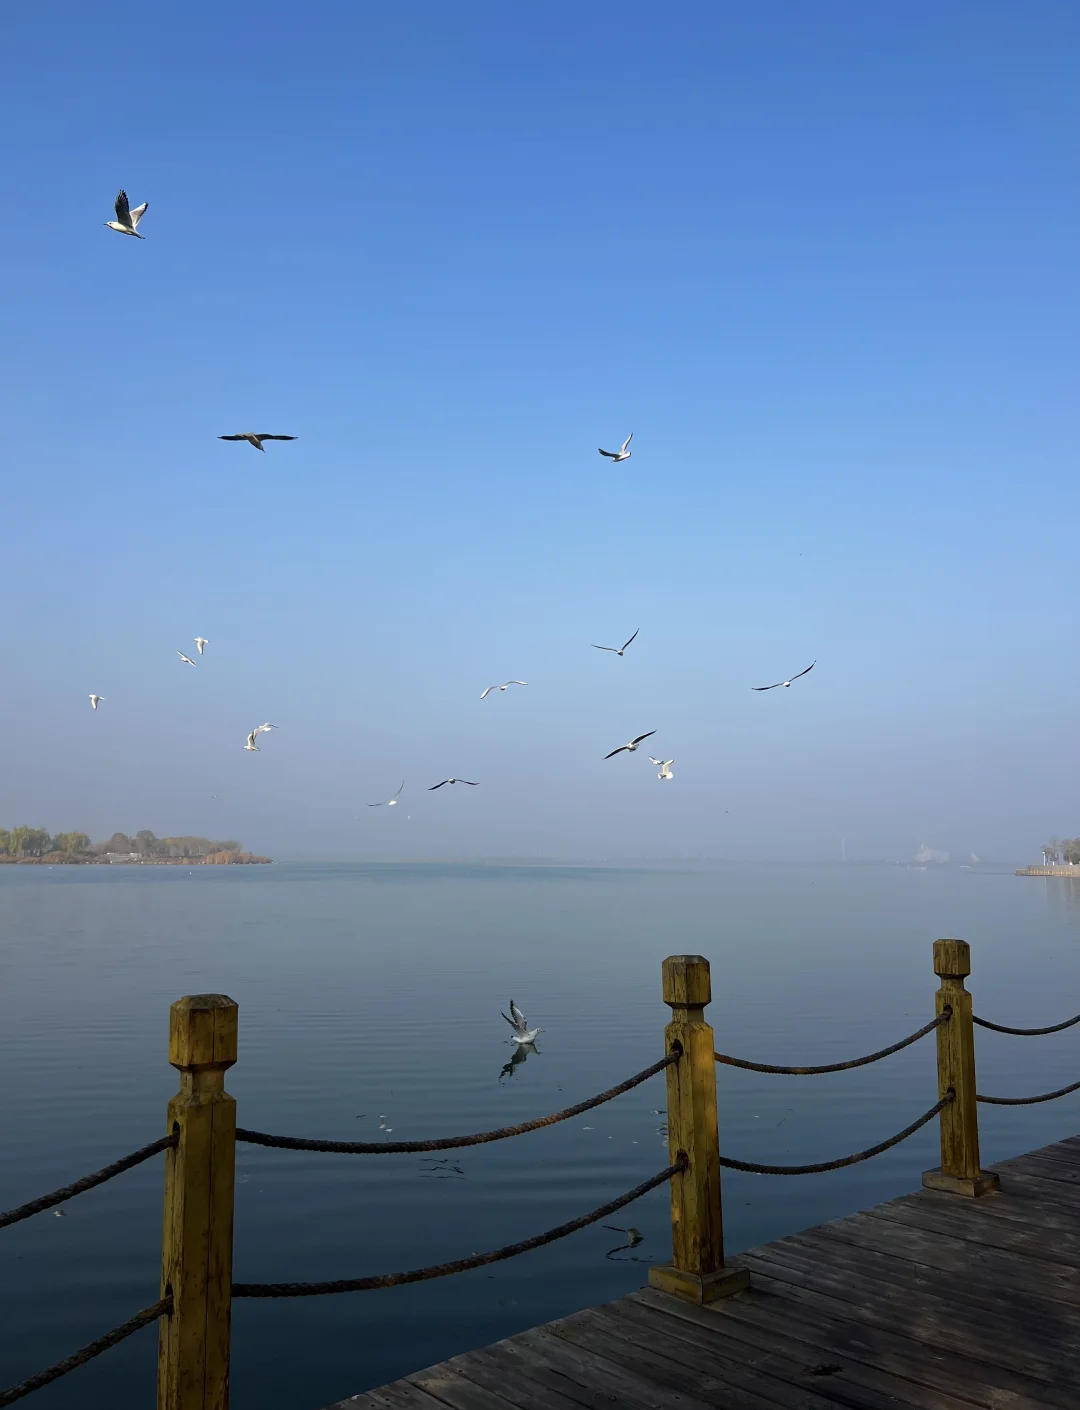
(201, 642)
(665, 767)
(785, 683)
(256, 439)
(94, 699)
(126, 218)
(631, 747)
(618, 650)
(501, 687)
(389, 802)
(434, 786)
(263, 729)
(520, 1024)
(622, 453)
(251, 746)
(185, 658)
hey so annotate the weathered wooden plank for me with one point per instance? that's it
(454, 1389)
(775, 1373)
(953, 1257)
(745, 1323)
(1044, 1169)
(397, 1395)
(969, 1222)
(871, 1274)
(828, 1322)
(997, 1341)
(659, 1362)
(1040, 1192)
(557, 1385)
(511, 1378)
(599, 1372)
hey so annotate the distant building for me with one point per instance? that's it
(927, 854)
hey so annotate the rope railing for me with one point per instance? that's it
(825, 1165)
(95, 1348)
(446, 1143)
(99, 1177)
(943, 1017)
(460, 1265)
(1029, 1101)
(1025, 1032)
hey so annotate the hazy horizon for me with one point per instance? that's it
(821, 262)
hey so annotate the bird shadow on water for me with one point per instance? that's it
(518, 1056)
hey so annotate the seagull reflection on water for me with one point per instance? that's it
(518, 1056)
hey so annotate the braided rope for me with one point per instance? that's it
(943, 1017)
(1030, 1101)
(35, 1206)
(80, 1358)
(825, 1165)
(461, 1265)
(1025, 1032)
(298, 1143)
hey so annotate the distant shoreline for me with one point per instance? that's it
(70, 859)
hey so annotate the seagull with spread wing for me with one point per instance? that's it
(631, 747)
(389, 802)
(251, 746)
(490, 688)
(434, 786)
(256, 438)
(622, 453)
(520, 1024)
(202, 643)
(618, 650)
(665, 768)
(126, 218)
(784, 683)
(95, 699)
(185, 658)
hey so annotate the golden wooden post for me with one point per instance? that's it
(196, 1253)
(959, 1171)
(696, 1271)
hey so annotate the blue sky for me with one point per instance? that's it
(820, 259)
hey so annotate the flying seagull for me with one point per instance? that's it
(622, 453)
(520, 1024)
(201, 642)
(126, 218)
(629, 748)
(665, 767)
(264, 729)
(618, 650)
(251, 746)
(256, 440)
(390, 802)
(501, 687)
(94, 700)
(434, 786)
(185, 658)
(785, 683)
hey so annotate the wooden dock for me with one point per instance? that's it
(933, 1301)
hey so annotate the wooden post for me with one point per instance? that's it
(196, 1253)
(959, 1172)
(697, 1271)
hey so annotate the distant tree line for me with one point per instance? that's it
(1062, 849)
(36, 842)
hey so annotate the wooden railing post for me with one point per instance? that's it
(959, 1171)
(696, 1271)
(196, 1253)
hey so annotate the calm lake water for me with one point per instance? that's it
(370, 994)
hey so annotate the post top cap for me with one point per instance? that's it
(202, 1031)
(952, 958)
(687, 981)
